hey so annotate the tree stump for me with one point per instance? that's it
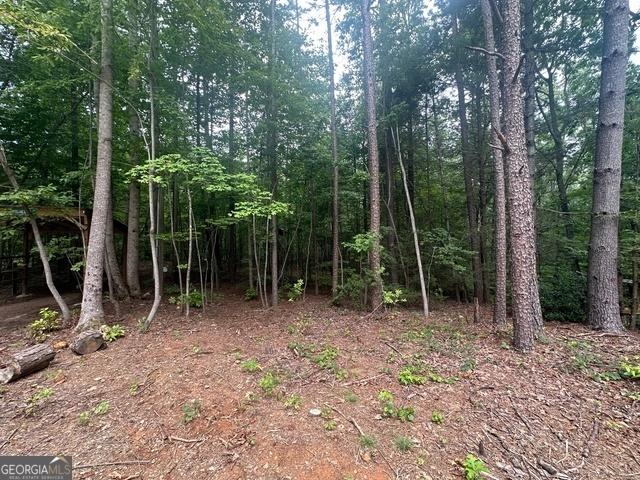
(27, 361)
(87, 342)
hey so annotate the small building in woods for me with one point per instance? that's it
(66, 232)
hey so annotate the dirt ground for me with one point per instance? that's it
(179, 403)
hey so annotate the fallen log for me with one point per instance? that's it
(87, 342)
(27, 361)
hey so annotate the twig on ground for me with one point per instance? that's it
(186, 440)
(110, 464)
(9, 438)
(395, 350)
(364, 380)
(349, 419)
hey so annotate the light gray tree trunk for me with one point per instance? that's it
(500, 234)
(273, 161)
(603, 307)
(527, 313)
(120, 289)
(372, 145)
(92, 313)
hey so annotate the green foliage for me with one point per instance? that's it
(190, 411)
(473, 467)
(194, 299)
(630, 369)
(302, 349)
(562, 292)
(84, 418)
(250, 294)
(437, 417)
(394, 297)
(389, 409)
(134, 389)
(330, 425)
(102, 408)
(410, 375)
(295, 290)
(368, 442)
(582, 356)
(268, 383)
(47, 321)
(403, 444)
(251, 365)
(111, 333)
(293, 401)
(37, 399)
(327, 358)
(351, 397)
(300, 326)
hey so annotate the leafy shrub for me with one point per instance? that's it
(84, 418)
(389, 409)
(112, 333)
(394, 297)
(190, 411)
(302, 349)
(268, 383)
(330, 425)
(327, 358)
(403, 444)
(367, 441)
(628, 370)
(194, 299)
(251, 365)
(296, 290)
(47, 321)
(410, 376)
(250, 294)
(437, 417)
(351, 397)
(562, 293)
(473, 467)
(293, 401)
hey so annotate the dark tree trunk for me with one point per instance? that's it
(500, 235)
(603, 307)
(529, 84)
(372, 144)
(467, 163)
(527, 313)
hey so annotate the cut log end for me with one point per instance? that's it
(27, 361)
(87, 342)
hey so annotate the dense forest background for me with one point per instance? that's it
(223, 109)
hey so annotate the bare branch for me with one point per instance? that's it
(485, 51)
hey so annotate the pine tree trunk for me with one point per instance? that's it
(92, 313)
(335, 195)
(500, 234)
(527, 313)
(469, 187)
(111, 256)
(603, 308)
(372, 144)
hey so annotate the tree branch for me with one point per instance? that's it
(485, 51)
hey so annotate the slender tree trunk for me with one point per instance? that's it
(133, 211)
(500, 235)
(42, 250)
(438, 153)
(529, 84)
(111, 257)
(603, 308)
(524, 281)
(335, 194)
(467, 163)
(189, 256)
(155, 254)
(273, 161)
(411, 149)
(92, 313)
(372, 141)
(414, 229)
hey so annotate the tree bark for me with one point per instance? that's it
(529, 84)
(603, 308)
(92, 313)
(335, 194)
(500, 234)
(133, 210)
(372, 144)
(27, 361)
(111, 256)
(527, 313)
(272, 154)
(467, 163)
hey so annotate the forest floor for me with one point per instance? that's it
(179, 402)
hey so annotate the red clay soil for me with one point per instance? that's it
(526, 416)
